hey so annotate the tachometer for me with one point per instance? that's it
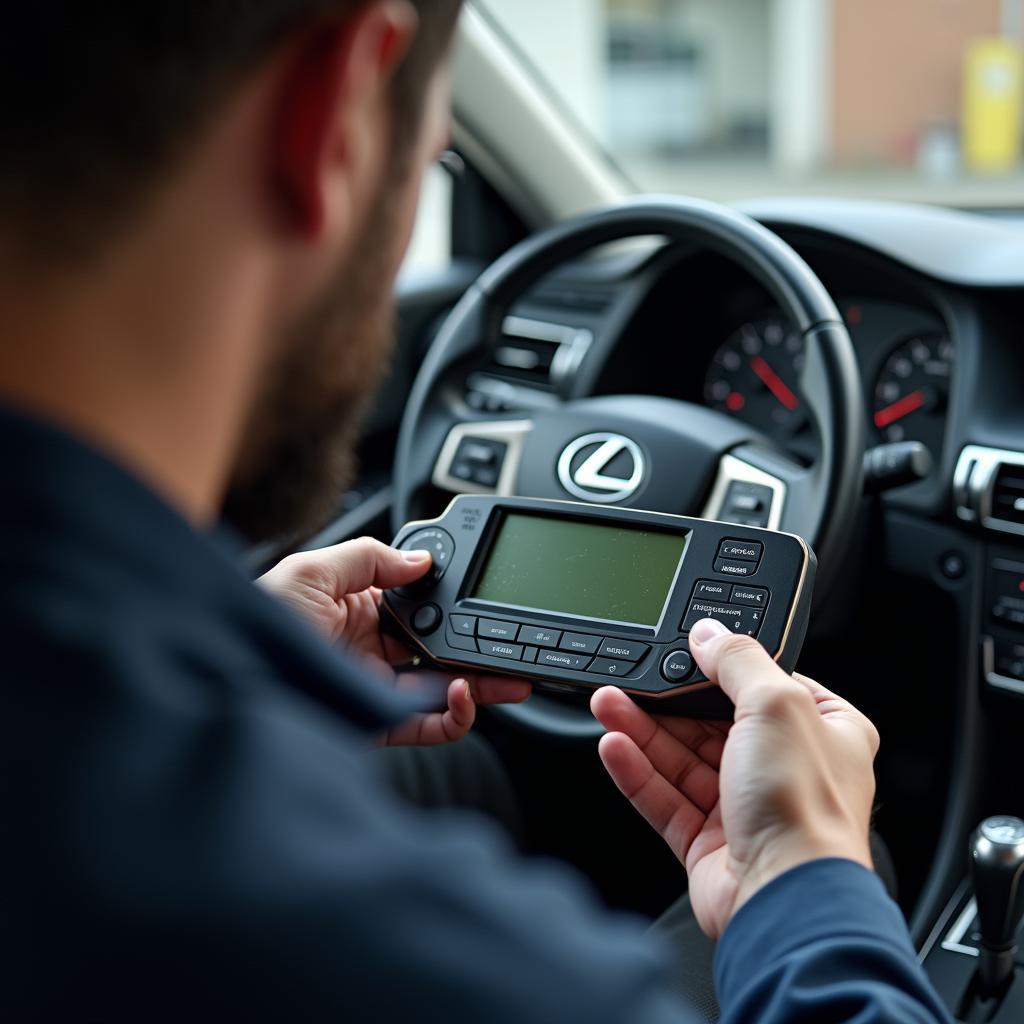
(755, 375)
(912, 391)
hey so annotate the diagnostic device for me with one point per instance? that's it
(577, 596)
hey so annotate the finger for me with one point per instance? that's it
(688, 756)
(360, 564)
(741, 667)
(665, 809)
(499, 690)
(442, 727)
(836, 710)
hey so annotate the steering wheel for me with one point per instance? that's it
(686, 459)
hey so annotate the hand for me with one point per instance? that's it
(338, 591)
(789, 781)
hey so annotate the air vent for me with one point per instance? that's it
(988, 488)
(1008, 495)
(530, 362)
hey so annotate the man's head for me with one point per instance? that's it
(295, 132)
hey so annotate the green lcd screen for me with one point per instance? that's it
(595, 570)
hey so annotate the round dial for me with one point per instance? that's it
(912, 391)
(755, 376)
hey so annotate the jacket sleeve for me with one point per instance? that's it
(825, 943)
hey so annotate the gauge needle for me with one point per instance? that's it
(904, 407)
(774, 383)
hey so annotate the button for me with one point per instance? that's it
(580, 642)
(461, 643)
(953, 566)
(727, 568)
(708, 590)
(747, 503)
(514, 652)
(464, 625)
(539, 636)
(530, 654)
(739, 620)
(493, 629)
(438, 543)
(562, 659)
(741, 550)
(611, 667)
(426, 619)
(623, 650)
(756, 597)
(677, 666)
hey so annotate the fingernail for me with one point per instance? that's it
(468, 692)
(706, 630)
(416, 556)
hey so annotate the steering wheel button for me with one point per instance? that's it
(741, 550)
(677, 667)
(623, 650)
(493, 629)
(738, 569)
(562, 659)
(755, 597)
(580, 642)
(514, 652)
(539, 636)
(464, 625)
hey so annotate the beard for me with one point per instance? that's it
(298, 454)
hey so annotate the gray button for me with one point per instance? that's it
(737, 569)
(427, 619)
(741, 550)
(755, 597)
(461, 643)
(709, 590)
(677, 666)
(611, 667)
(514, 652)
(539, 636)
(493, 629)
(738, 619)
(580, 642)
(623, 650)
(562, 659)
(464, 625)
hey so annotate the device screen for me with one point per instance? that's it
(599, 571)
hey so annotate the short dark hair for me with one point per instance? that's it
(101, 99)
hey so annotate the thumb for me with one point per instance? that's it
(357, 565)
(739, 664)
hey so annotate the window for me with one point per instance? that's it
(431, 245)
(730, 99)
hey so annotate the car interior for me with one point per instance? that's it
(846, 369)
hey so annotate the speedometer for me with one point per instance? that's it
(912, 391)
(755, 376)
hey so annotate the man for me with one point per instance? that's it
(203, 206)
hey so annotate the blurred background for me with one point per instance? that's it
(919, 100)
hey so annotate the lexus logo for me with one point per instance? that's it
(602, 468)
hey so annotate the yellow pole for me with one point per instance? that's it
(993, 106)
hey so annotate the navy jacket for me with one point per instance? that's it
(189, 831)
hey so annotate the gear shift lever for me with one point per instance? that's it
(997, 869)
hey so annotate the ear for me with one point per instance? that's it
(337, 72)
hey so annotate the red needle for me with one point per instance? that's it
(904, 407)
(774, 383)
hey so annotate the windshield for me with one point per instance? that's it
(730, 99)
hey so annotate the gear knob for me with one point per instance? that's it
(997, 870)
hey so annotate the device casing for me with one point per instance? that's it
(427, 614)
